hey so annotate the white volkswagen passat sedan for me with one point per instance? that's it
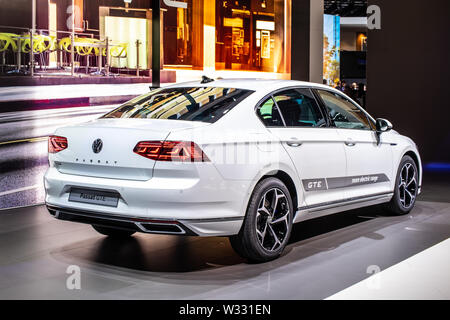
(238, 158)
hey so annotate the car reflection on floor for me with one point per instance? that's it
(324, 256)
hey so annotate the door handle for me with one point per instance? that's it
(294, 143)
(350, 143)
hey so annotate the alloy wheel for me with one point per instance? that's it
(272, 219)
(407, 187)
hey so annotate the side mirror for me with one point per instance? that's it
(383, 125)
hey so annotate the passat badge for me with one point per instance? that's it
(97, 145)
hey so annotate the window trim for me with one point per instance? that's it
(279, 111)
(260, 103)
(259, 106)
(342, 96)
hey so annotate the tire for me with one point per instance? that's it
(406, 188)
(112, 232)
(261, 246)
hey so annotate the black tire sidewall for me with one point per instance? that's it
(396, 205)
(254, 249)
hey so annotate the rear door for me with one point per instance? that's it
(369, 161)
(294, 116)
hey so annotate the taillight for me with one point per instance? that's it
(171, 151)
(56, 144)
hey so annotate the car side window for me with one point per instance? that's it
(343, 113)
(299, 108)
(269, 114)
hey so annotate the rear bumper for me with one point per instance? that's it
(197, 201)
(206, 196)
(188, 227)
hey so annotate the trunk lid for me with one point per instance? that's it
(116, 159)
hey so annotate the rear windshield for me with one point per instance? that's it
(207, 104)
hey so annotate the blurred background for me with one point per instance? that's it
(69, 61)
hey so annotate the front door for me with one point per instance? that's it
(316, 150)
(369, 161)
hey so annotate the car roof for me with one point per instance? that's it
(266, 85)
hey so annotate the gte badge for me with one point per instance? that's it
(314, 184)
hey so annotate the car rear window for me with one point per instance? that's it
(206, 104)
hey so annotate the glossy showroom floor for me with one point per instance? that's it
(324, 257)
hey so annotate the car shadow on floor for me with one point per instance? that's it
(175, 257)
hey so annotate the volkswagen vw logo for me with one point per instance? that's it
(97, 145)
